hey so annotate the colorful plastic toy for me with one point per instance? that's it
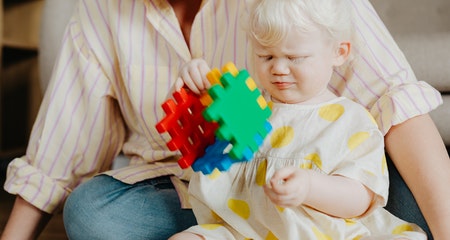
(190, 132)
(235, 111)
(216, 156)
(241, 112)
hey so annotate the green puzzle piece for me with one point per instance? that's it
(241, 112)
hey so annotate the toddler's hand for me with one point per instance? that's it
(288, 187)
(193, 75)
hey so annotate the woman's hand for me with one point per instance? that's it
(193, 75)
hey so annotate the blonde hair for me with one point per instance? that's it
(272, 20)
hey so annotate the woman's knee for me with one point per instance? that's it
(82, 209)
(108, 208)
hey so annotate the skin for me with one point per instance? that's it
(23, 213)
(193, 76)
(411, 157)
(297, 71)
(418, 152)
(412, 146)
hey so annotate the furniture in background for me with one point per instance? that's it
(422, 31)
(421, 28)
(20, 92)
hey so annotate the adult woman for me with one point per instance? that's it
(119, 61)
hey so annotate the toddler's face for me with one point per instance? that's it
(298, 69)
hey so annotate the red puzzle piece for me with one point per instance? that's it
(184, 122)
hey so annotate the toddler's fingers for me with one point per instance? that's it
(278, 199)
(179, 84)
(197, 78)
(185, 75)
(204, 70)
(279, 179)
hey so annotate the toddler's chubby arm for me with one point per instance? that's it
(334, 195)
(193, 75)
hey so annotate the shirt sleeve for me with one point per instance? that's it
(79, 129)
(378, 76)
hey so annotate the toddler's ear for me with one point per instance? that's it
(342, 53)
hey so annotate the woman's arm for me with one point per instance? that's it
(25, 221)
(418, 152)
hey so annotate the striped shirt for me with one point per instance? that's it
(118, 63)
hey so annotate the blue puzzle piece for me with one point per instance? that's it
(216, 156)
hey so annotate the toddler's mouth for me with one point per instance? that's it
(283, 85)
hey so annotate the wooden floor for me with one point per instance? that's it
(53, 231)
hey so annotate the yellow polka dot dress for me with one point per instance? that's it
(335, 137)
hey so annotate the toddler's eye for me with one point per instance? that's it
(296, 59)
(265, 57)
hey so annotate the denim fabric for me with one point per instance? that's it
(401, 202)
(105, 208)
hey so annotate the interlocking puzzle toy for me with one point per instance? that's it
(241, 112)
(216, 157)
(236, 105)
(190, 132)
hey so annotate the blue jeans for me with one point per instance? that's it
(105, 208)
(401, 202)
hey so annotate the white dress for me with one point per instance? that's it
(338, 137)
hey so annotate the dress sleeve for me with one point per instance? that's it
(79, 129)
(378, 76)
(363, 157)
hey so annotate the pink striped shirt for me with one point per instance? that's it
(118, 63)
